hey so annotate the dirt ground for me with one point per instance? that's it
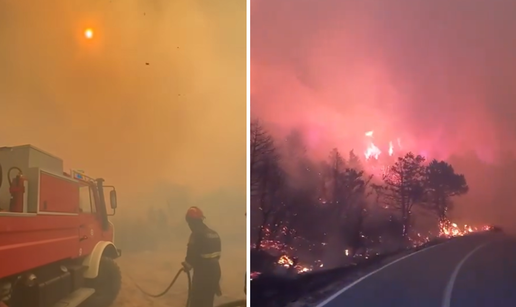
(154, 271)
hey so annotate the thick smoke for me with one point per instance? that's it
(436, 74)
(157, 96)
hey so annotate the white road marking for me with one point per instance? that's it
(449, 287)
(331, 298)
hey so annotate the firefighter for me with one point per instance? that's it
(202, 255)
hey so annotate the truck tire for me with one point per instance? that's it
(107, 284)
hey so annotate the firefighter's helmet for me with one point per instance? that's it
(194, 213)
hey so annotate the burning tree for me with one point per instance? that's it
(403, 187)
(262, 150)
(300, 191)
(308, 208)
(442, 183)
(347, 194)
(267, 179)
(354, 161)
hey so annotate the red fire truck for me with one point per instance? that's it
(56, 242)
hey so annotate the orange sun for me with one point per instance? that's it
(88, 33)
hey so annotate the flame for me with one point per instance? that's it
(419, 240)
(372, 151)
(449, 229)
(287, 262)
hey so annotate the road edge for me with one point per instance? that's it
(448, 291)
(354, 283)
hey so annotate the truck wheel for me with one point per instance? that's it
(107, 284)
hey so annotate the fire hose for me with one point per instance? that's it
(237, 303)
(169, 286)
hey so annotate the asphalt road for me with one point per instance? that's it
(476, 271)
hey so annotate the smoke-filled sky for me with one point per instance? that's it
(440, 75)
(157, 95)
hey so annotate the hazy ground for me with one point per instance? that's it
(155, 270)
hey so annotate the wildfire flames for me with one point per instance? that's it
(288, 262)
(378, 163)
(419, 240)
(285, 261)
(372, 151)
(446, 229)
(449, 229)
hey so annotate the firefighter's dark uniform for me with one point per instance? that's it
(203, 254)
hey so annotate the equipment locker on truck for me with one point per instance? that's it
(56, 242)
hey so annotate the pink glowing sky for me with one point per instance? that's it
(439, 74)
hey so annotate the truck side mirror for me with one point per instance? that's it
(112, 199)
